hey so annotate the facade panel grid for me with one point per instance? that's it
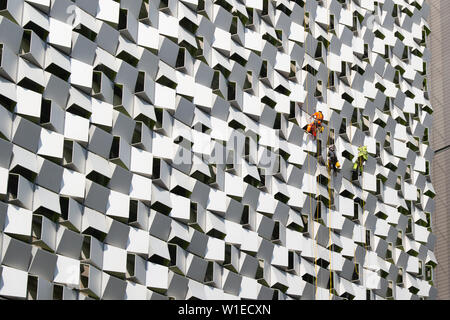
(158, 149)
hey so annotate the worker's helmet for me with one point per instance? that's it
(319, 115)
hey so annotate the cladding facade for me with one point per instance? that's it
(157, 149)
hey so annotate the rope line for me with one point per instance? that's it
(328, 160)
(307, 110)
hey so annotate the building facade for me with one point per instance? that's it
(158, 150)
(438, 44)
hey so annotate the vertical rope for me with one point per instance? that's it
(363, 205)
(328, 160)
(358, 272)
(314, 247)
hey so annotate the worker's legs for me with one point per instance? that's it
(333, 166)
(355, 173)
(318, 125)
(360, 171)
(311, 129)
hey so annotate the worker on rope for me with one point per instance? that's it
(316, 124)
(333, 162)
(360, 160)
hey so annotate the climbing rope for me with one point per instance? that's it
(313, 244)
(328, 161)
(358, 272)
(363, 202)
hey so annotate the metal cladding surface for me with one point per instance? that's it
(158, 149)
